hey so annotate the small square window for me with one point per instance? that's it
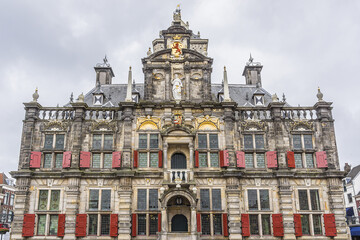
(202, 139)
(94, 199)
(108, 141)
(259, 141)
(308, 141)
(142, 141)
(254, 224)
(205, 224)
(260, 158)
(53, 226)
(49, 138)
(213, 141)
(141, 224)
(214, 159)
(266, 226)
(107, 160)
(248, 142)
(154, 141)
(143, 160)
(59, 141)
(305, 224)
(252, 200)
(96, 160)
(96, 144)
(105, 199)
(203, 160)
(297, 141)
(105, 224)
(93, 223)
(249, 160)
(41, 225)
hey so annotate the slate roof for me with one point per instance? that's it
(352, 174)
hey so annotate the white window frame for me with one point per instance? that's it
(148, 150)
(260, 211)
(48, 201)
(208, 150)
(112, 200)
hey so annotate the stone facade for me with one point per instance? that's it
(198, 160)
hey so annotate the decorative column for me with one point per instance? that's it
(165, 160)
(191, 161)
(125, 201)
(72, 204)
(187, 80)
(193, 223)
(167, 81)
(229, 131)
(233, 207)
(164, 223)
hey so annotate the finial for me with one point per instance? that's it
(257, 84)
(35, 95)
(274, 98)
(128, 97)
(198, 33)
(283, 97)
(81, 98)
(71, 97)
(134, 83)
(149, 51)
(224, 68)
(319, 95)
(251, 59)
(105, 60)
(129, 68)
(226, 87)
(105, 63)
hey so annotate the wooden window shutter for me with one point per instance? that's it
(61, 225)
(133, 225)
(221, 154)
(35, 159)
(290, 159)
(240, 159)
(226, 158)
(136, 156)
(321, 159)
(80, 227)
(297, 224)
(160, 158)
(66, 160)
(85, 159)
(159, 222)
(278, 225)
(114, 220)
(271, 159)
(225, 225)
(330, 225)
(245, 225)
(116, 160)
(196, 158)
(28, 225)
(198, 222)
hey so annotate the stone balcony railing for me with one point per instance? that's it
(182, 174)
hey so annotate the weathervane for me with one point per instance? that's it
(104, 64)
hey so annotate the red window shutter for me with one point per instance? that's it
(85, 159)
(66, 160)
(198, 222)
(240, 159)
(197, 159)
(133, 225)
(297, 224)
(271, 159)
(116, 160)
(321, 159)
(35, 159)
(114, 220)
(61, 225)
(225, 225)
(226, 158)
(160, 159)
(330, 225)
(221, 153)
(159, 222)
(28, 225)
(136, 155)
(278, 225)
(80, 227)
(245, 225)
(290, 159)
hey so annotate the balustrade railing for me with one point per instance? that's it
(299, 113)
(182, 174)
(58, 113)
(102, 114)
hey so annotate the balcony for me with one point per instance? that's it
(183, 174)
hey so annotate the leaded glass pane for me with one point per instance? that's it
(143, 160)
(254, 225)
(264, 200)
(153, 199)
(202, 139)
(141, 199)
(309, 160)
(315, 200)
(55, 200)
(303, 200)
(41, 225)
(214, 159)
(248, 142)
(105, 199)
(154, 159)
(107, 160)
(265, 220)
(203, 160)
(105, 224)
(47, 160)
(153, 224)
(213, 138)
(49, 138)
(93, 221)
(53, 226)
(142, 141)
(252, 199)
(217, 224)
(216, 199)
(141, 224)
(96, 160)
(249, 160)
(154, 141)
(305, 224)
(259, 141)
(108, 141)
(298, 160)
(308, 141)
(59, 141)
(43, 199)
(205, 224)
(317, 224)
(260, 158)
(297, 141)
(205, 199)
(58, 160)
(96, 144)
(94, 199)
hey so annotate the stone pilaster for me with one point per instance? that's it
(286, 207)
(128, 133)
(72, 199)
(233, 208)
(229, 122)
(125, 199)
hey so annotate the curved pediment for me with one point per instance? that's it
(188, 55)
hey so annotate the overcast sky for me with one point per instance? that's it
(54, 45)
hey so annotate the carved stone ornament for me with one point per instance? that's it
(302, 125)
(104, 125)
(148, 123)
(207, 123)
(251, 125)
(56, 125)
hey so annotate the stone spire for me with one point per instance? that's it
(129, 87)
(226, 87)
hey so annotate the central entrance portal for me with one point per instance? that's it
(179, 223)
(179, 214)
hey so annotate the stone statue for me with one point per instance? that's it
(177, 85)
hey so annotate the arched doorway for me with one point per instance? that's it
(178, 161)
(179, 223)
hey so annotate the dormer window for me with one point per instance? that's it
(98, 99)
(259, 100)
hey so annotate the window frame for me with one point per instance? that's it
(308, 193)
(48, 203)
(53, 145)
(149, 150)
(255, 151)
(53, 151)
(99, 209)
(258, 199)
(47, 224)
(303, 151)
(98, 223)
(208, 150)
(147, 207)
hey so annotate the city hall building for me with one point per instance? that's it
(179, 157)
